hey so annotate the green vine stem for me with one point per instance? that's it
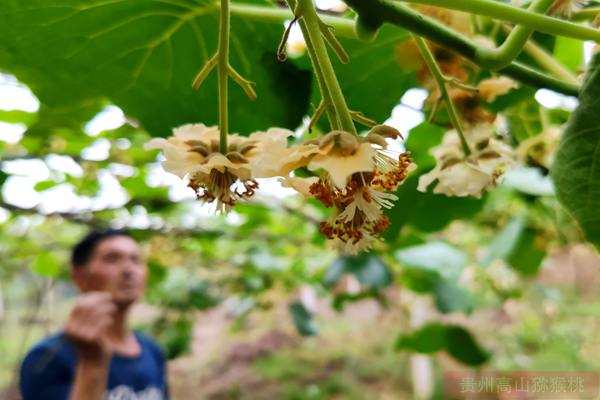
(379, 12)
(513, 45)
(498, 10)
(344, 27)
(307, 11)
(547, 61)
(223, 73)
(442, 82)
(586, 14)
(374, 13)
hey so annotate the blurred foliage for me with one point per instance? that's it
(464, 255)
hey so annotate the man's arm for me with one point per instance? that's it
(86, 329)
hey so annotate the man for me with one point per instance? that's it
(98, 356)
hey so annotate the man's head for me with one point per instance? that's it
(110, 261)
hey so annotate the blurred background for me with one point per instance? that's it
(253, 304)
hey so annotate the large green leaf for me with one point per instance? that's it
(576, 170)
(142, 55)
(374, 70)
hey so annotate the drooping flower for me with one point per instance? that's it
(470, 176)
(489, 89)
(540, 149)
(273, 157)
(356, 175)
(193, 153)
(472, 103)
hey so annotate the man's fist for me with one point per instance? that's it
(87, 326)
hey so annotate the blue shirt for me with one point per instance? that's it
(48, 372)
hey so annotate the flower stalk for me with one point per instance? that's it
(223, 71)
(326, 101)
(442, 83)
(220, 60)
(313, 29)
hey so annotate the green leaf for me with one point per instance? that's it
(516, 244)
(428, 339)
(434, 336)
(434, 256)
(569, 52)
(451, 298)
(422, 138)
(17, 117)
(44, 185)
(527, 256)
(175, 337)
(419, 280)
(143, 55)
(303, 319)
(524, 119)
(576, 170)
(3, 177)
(340, 300)
(427, 211)
(370, 270)
(46, 265)
(505, 241)
(510, 99)
(138, 189)
(201, 296)
(461, 345)
(372, 69)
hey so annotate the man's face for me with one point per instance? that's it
(117, 267)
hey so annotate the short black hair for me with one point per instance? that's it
(83, 251)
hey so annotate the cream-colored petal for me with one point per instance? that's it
(272, 157)
(180, 162)
(236, 139)
(426, 179)
(491, 88)
(463, 179)
(219, 162)
(301, 185)
(156, 143)
(340, 168)
(189, 131)
(273, 137)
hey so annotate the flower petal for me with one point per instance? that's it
(340, 168)
(301, 185)
(156, 143)
(272, 157)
